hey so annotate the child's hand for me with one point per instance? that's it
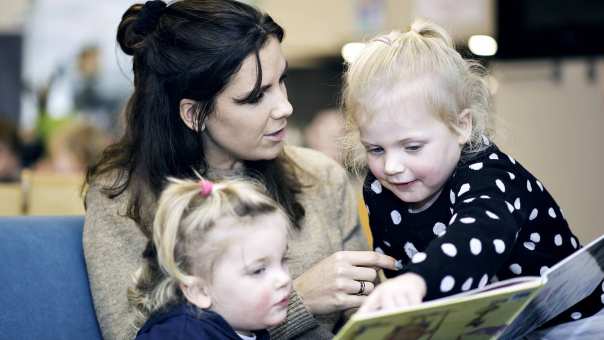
(404, 290)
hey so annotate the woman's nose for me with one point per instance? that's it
(283, 108)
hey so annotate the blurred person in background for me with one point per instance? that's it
(324, 132)
(73, 147)
(10, 152)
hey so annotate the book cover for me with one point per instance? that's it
(507, 309)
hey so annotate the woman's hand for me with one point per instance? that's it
(334, 283)
(405, 290)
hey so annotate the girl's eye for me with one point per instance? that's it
(413, 147)
(258, 271)
(375, 151)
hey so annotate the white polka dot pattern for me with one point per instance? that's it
(483, 281)
(499, 246)
(500, 185)
(439, 229)
(529, 187)
(452, 219)
(491, 215)
(540, 185)
(529, 245)
(419, 257)
(449, 249)
(535, 237)
(379, 250)
(533, 214)
(558, 240)
(476, 166)
(469, 200)
(376, 186)
(516, 268)
(398, 264)
(447, 283)
(517, 203)
(543, 270)
(396, 217)
(512, 159)
(452, 197)
(475, 246)
(512, 176)
(493, 156)
(468, 284)
(410, 249)
(551, 213)
(464, 188)
(467, 220)
(573, 242)
(576, 315)
(510, 207)
(388, 244)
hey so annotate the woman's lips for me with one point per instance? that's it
(278, 135)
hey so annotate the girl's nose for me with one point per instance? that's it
(393, 164)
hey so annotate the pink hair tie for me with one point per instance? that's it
(206, 188)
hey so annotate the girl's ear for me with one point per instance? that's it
(197, 294)
(464, 126)
(187, 114)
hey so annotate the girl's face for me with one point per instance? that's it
(410, 150)
(251, 284)
(252, 129)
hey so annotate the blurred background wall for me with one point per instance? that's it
(550, 108)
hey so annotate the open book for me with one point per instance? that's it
(506, 309)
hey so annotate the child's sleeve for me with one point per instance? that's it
(479, 237)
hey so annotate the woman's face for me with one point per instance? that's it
(244, 128)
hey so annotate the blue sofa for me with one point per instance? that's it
(44, 291)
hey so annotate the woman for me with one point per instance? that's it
(209, 96)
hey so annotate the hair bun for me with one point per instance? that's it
(149, 17)
(138, 21)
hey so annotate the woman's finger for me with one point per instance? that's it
(363, 274)
(368, 259)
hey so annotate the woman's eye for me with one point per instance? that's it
(256, 99)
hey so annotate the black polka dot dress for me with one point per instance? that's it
(492, 221)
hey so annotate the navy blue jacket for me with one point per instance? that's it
(185, 321)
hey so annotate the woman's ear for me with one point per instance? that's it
(464, 126)
(187, 114)
(197, 294)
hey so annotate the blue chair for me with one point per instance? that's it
(44, 291)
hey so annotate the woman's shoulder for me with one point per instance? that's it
(314, 164)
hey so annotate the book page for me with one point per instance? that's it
(477, 316)
(568, 282)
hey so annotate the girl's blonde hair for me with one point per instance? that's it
(424, 56)
(180, 251)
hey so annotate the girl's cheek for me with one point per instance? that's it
(264, 299)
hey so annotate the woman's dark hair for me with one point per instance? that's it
(189, 49)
